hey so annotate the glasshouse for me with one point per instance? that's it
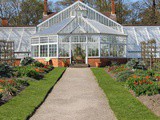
(79, 34)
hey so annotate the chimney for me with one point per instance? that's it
(4, 22)
(113, 11)
(45, 8)
(113, 7)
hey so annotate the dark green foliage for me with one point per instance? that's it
(5, 70)
(35, 75)
(21, 81)
(114, 63)
(144, 73)
(1, 95)
(38, 64)
(22, 70)
(136, 64)
(27, 61)
(122, 76)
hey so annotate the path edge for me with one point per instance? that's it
(49, 91)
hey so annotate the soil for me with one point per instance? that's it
(152, 102)
(6, 98)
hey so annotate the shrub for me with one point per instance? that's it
(120, 69)
(144, 73)
(22, 70)
(142, 85)
(122, 76)
(35, 75)
(38, 64)
(10, 90)
(112, 68)
(21, 82)
(5, 70)
(27, 61)
(136, 64)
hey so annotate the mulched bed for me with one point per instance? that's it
(6, 98)
(151, 102)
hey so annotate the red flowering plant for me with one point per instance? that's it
(112, 68)
(39, 70)
(142, 85)
(157, 76)
(9, 86)
(117, 69)
(2, 82)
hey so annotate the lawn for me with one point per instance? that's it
(124, 105)
(23, 105)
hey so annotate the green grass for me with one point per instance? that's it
(23, 105)
(124, 105)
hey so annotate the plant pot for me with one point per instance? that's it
(63, 64)
(98, 64)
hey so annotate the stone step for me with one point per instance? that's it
(79, 65)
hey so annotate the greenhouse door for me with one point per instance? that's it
(78, 50)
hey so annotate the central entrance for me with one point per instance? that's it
(78, 50)
(78, 53)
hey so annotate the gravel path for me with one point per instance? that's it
(76, 96)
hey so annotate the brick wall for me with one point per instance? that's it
(105, 61)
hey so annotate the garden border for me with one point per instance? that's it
(123, 104)
(24, 105)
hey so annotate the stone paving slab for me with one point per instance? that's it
(76, 96)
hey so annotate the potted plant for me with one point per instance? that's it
(98, 64)
(64, 63)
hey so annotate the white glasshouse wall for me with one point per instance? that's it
(137, 34)
(20, 36)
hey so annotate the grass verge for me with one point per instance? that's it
(23, 105)
(124, 105)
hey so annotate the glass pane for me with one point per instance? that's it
(43, 39)
(35, 51)
(52, 50)
(105, 50)
(64, 50)
(113, 50)
(121, 50)
(35, 40)
(93, 50)
(52, 39)
(44, 50)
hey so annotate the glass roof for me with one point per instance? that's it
(86, 25)
(71, 11)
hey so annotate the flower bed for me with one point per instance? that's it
(14, 79)
(142, 82)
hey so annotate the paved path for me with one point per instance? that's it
(76, 96)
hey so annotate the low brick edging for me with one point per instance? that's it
(105, 61)
(93, 62)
